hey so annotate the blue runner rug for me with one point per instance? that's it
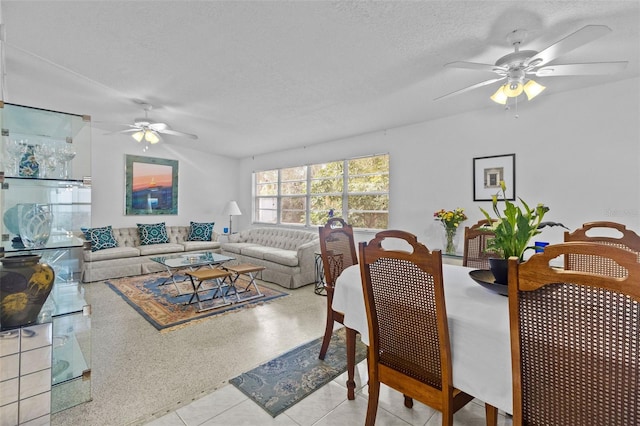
(284, 381)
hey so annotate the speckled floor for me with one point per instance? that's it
(139, 373)
(144, 377)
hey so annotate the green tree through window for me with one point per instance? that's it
(355, 189)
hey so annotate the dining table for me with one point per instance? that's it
(479, 333)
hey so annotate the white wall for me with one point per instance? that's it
(576, 152)
(205, 183)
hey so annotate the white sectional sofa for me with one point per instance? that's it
(287, 254)
(131, 258)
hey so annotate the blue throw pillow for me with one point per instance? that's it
(200, 231)
(101, 238)
(155, 233)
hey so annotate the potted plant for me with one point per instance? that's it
(513, 229)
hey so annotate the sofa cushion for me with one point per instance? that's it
(110, 253)
(200, 231)
(101, 238)
(237, 247)
(152, 249)
(200, 245)
(255, 251)
(283, 257)
(154, 233)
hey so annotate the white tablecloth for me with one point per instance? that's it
(478, 329)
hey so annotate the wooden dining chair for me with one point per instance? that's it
(409, 348)
(575, 339)
(601, 232)
(475, 253)
(338, 252)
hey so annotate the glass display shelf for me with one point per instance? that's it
(45, 158)
(59, 143)
(71, 368)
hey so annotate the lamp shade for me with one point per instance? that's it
(513, 89)
(499, 97)
(533, 89)
(232, 209)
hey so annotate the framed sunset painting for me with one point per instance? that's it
(151, 186)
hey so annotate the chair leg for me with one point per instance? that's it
(327, 337)
(372, 407)
(408, 401)
(491, 413)
(328, 329)
(351, 361)
(447, 417)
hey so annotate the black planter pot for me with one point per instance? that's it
(25, 285)
(500, 270)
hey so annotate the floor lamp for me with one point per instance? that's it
(231, 209)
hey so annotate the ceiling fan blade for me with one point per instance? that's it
(466, 89)
(176, 133)
(589, 68)
(133, 130)
(583, 36)
(476, 66)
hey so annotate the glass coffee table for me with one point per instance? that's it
(189, 262)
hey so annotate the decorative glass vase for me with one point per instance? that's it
(28, 166)
(450, 240)
(34, 223)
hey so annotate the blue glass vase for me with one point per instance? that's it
(28, 166)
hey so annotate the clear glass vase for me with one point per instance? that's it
(450, 243)
(34, 223)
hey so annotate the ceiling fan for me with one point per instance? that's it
(515, 70)
(148, 130)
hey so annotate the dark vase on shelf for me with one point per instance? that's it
(25, 285)
(500, 270)
(29, 166)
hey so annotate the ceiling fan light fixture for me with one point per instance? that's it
(513, 89)
(138, 136)
(151, 136)
(500, 97)
(533, 89)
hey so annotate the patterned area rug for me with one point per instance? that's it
(166, 310)
(284, 381)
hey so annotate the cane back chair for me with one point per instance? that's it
(475, 253)
(601, 232)
(575, 339)
(338, 252)
(409, 348)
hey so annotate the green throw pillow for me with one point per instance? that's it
(200, 231)
(101, 238)
(155, 233)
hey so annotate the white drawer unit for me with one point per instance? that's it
(25, 375)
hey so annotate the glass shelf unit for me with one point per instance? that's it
(61, 145)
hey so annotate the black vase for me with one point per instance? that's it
(500, 270)
(25, 285)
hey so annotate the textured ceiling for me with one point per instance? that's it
(256, 77)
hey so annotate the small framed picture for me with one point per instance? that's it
(487, 174)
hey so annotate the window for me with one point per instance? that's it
(308, 195)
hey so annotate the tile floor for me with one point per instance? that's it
(327, 406)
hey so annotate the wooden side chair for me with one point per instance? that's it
(475, 253)
(338, 252)
(409, 348)
(575, 339)
(601, 232)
